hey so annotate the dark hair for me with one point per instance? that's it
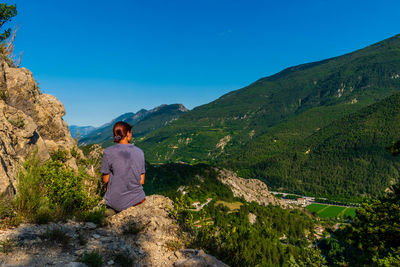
(120, 130)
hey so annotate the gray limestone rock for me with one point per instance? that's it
(29, 121)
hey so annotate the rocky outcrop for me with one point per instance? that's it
(249, 189)
(30, 121)
(146, 234)
(159, 235)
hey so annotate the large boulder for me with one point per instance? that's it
(30, 122)
(159, 237)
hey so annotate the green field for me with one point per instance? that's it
(350, 212)
(330, 211)
(316, 207)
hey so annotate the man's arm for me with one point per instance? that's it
(142, 178)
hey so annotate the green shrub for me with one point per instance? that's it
(50, 191)
(8, 216)
(123, 260)
(44, 215)
(96, 216)
(92, 259)
(6, 208)
(59, 155)
(63, 188)
(18, 122)
(30, 190)
(74, 152)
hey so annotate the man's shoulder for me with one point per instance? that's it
(137, 150)
(109, 149)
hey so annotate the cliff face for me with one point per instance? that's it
(29, 121)
(249, 189)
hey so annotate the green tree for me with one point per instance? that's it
(376, 228)
(7, 12)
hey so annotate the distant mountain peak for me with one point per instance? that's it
(183, 108)
(143, 121)
(179, 107)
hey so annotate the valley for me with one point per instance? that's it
(298, 168)
(316, 129)
(321, 129)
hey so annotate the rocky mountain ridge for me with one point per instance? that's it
(143, 122)
(30, 122)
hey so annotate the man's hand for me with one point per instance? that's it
(142, 178)
(106, 177)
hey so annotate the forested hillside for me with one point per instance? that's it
(326, 90)
(247, 235)
(347, 158)
(307, 129)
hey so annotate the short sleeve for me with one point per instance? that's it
(143, 169)
(105, 165)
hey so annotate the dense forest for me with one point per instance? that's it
(343, 159)
(372, 239)
(248, 234)
(275, 237)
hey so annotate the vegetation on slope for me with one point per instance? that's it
(342, 159)
(50, 191)
(277, 237)
(273, 239)
(357, 79)
(200, 181)
(248, 234)
(372, 239)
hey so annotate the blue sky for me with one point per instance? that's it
(105, 58)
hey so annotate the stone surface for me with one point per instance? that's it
(249, 189)
(29, 121)
(76, 264)
(146, 233)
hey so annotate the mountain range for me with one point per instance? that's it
(318, 92)
(78, 131)
(143, 122)
(269, 128)
(319, 128)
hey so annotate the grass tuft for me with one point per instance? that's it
(58, 235)
(124, 259)
(92, 259)
(6, 246)
(133, 229)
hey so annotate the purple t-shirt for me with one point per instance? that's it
(125, 164)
